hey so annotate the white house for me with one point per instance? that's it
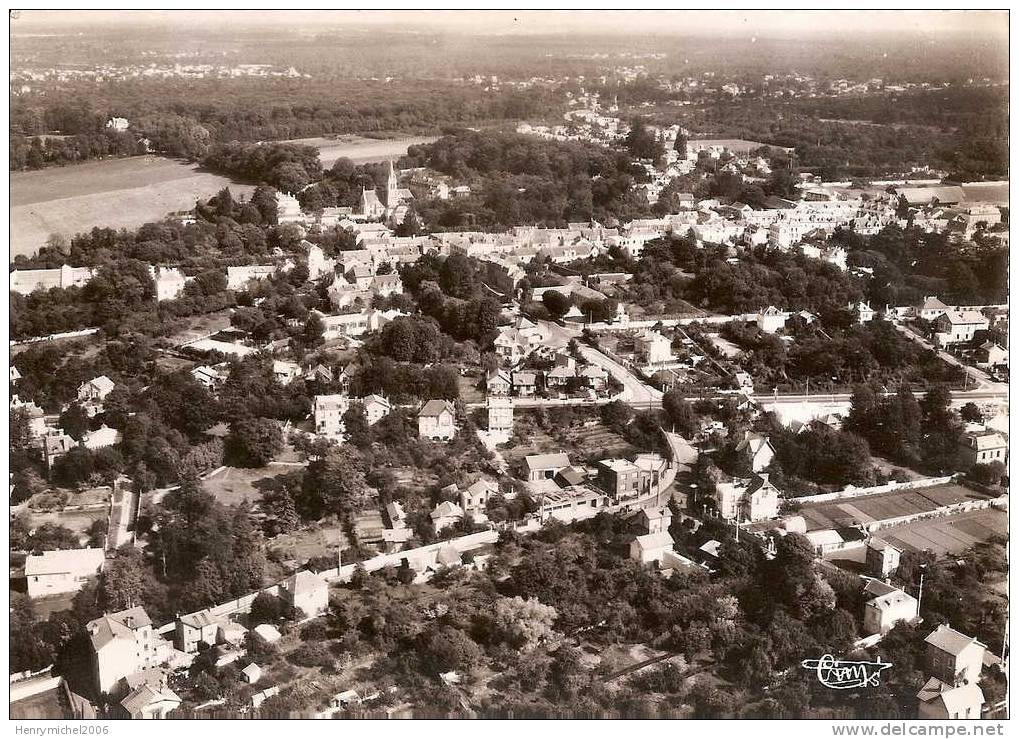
(446, 514)
(95, 390)
(169, 282)
(888, 606)
(475, 498)
(651, 348)
(328, 411)
(62, 570)
(376, 408)
(251, 674)
(124, 643)
(941, 701)
(437, 421)
(757, 450)
(285, 372)
(153, 699)
(956, 327)
(307, 591)
(747, 499)
(954, 657)
(500, 414)
(651, 547)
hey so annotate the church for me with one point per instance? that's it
(393, 208)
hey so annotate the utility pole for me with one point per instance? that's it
(919, 594)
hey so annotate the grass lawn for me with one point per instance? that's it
(319, 540)
(233, 485)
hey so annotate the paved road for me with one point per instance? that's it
(982, 379)
(635, 391)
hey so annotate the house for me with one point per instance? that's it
(169, 282)
(757, 451)
(524, 384)
(285, 372)
(195, 629)
(207, 376)
(958, 326)
(268, 633)
(618, 478)
(651, 348)
(328, 411)
(437, 420)
(62, 570)
(386, 285)
(887, 607)
(251, 674)
(95, 390)
(982, 448)
(864, 312)
(446, 514)
(475, 498)
(376, 408)
(544, 466)
(15, 375)
(397, 516)
(27, 281)
(932, 308)
(747, 499)
(497, 382)
(989, 355)
(237, 278)
(559, 376)
(54, 446)
(770, 320)
(941, 701)
(651, 547)
(952, 657)
(500, 414)
(151, 700)
(824, 540)
(306, 591)
(654, 520)
(123, 643)
(100, 438)
(882, 558)
(594, 376)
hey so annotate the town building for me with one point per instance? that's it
(497, 382)
(446, 514)
(500, 414)
(193, 630)
(982, 448)
(328, 411)
(952, 657)
(747, 499)
(475, 498)
(887, 607)
(27, 281)
(651, 348)
(62, 571)
(651, 547)
(306, 591)
(618, 478)
(958, 326)
(941, 701)
(882, 558)
(124, 643)
(376, 408)
(544, 466)
(437, 420)
(757, 451)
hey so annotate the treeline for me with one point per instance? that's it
(517, 179)
(185, 117)
(288, 167)
(910, 264)
(37, 152)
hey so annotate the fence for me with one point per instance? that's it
(854, 492)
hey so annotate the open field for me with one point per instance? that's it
(233, 485)
(870, 508)
(950, 535)
(360, 150)
(116, 193)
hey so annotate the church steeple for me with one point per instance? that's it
(391, 187)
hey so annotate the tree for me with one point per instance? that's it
(334, 484)
(971, 413)
(523, 623)
(266, 609)
(680, 413)
(556, 303)
(253, 442)
(680, 145)
(74, 421)
(988, 474)
(642, 143)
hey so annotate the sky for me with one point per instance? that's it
(700, 22)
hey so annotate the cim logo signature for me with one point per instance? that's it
(844, 675)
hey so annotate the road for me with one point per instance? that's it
(982, 379)
(634, 390)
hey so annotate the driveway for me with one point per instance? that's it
(634, 390)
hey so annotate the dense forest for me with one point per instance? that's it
(518, 179)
